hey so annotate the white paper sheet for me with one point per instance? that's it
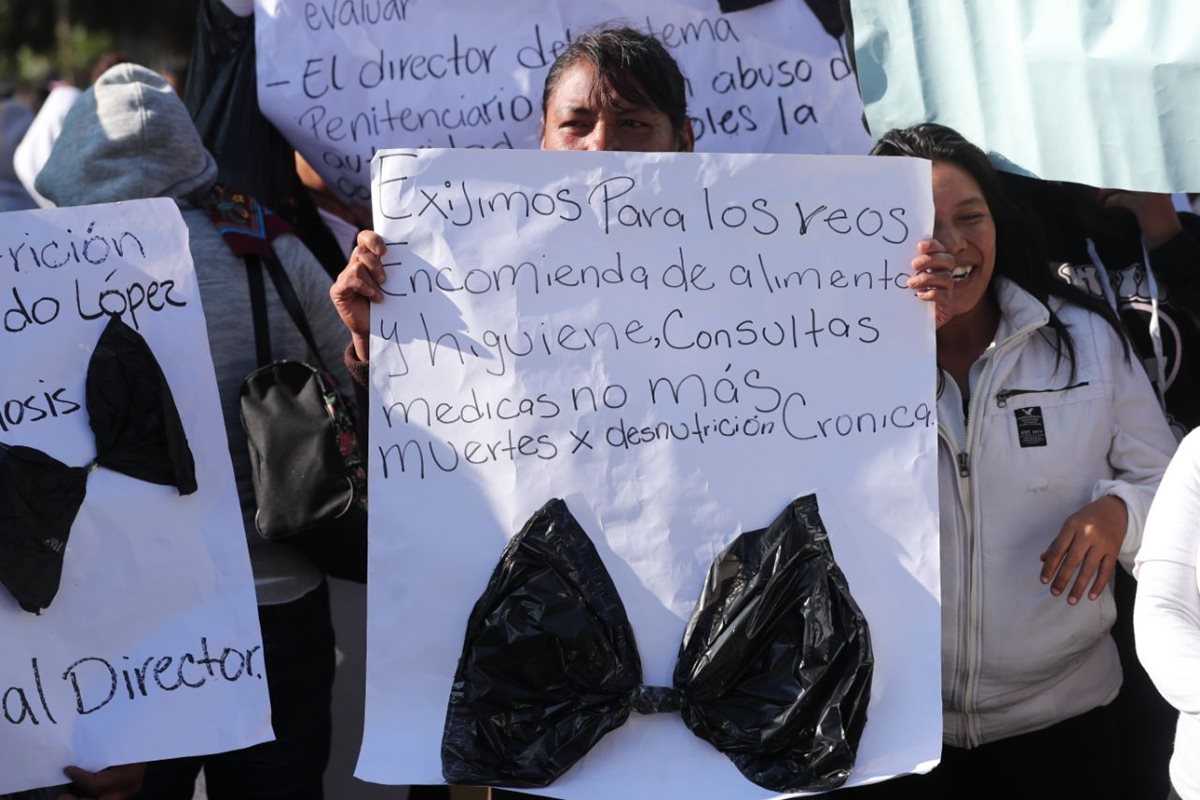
(152, 648)
(344, 78)
(769, 291)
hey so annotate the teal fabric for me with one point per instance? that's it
(1101, 93)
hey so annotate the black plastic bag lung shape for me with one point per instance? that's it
(39, 498)
(548, 625)
(132, 413)
(138, 433)
(776, 661)
(774, 670)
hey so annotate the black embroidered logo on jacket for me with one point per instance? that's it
(1031, 426)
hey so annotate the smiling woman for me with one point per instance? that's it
(968, 233)
(1037, 502)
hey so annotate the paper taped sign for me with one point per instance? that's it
(677, 346)
(115, 470)
(344, 78)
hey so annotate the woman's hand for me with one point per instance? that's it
(1089, 542)
(931, 278)
(114, 783)
(1154, 212)
(357, 286)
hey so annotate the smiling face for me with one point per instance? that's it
(583, 114)
(963, 224)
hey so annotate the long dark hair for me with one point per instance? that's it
(1019, 245)
(633, 64)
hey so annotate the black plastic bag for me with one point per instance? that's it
(39, 499)
(774, 670)
(138, 433)
(549, 622)
(132, 413)
(788, 707)
(827, 12)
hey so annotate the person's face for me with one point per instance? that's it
(580, 115)
(963, 224)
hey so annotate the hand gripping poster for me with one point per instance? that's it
(653, 482)
(127, 607)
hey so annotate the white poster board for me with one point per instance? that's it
(543, 312)
(151, 648)
(344, 78)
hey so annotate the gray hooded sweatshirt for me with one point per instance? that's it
(130, 137)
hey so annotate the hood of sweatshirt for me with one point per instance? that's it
(127, 137)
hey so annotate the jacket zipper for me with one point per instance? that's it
(1003, 395)
(973, 633)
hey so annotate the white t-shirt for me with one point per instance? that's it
(1167, 614)
(34, 150)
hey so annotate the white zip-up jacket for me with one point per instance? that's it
(1037, 445)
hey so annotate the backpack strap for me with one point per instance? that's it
(249, 228)
(291, 302)
(258, 309)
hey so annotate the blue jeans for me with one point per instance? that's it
(299, 657)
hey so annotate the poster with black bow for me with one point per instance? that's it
(652, 475)
(127, 606)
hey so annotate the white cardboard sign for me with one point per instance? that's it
(677, 345)
(344, 78)
(151, 648)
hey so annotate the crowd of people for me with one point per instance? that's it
(1027, 283)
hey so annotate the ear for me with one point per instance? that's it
(542, 135)
(687, 137)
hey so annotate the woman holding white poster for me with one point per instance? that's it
(612, 89)
(1052, 445)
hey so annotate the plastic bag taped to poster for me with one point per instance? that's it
(137, 432)
(774, 669)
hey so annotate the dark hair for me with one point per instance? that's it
(633, 64)
(1019, 245)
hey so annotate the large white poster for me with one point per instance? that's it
(151, 647)
(677, 346)
(344, 78)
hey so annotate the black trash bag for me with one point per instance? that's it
(548, 624)
(39, 498)
(827, 12)
(776, 661)
(132, 413)
(138, 433)
(730, 6)
(774, 670)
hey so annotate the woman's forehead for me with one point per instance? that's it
(579, 88)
